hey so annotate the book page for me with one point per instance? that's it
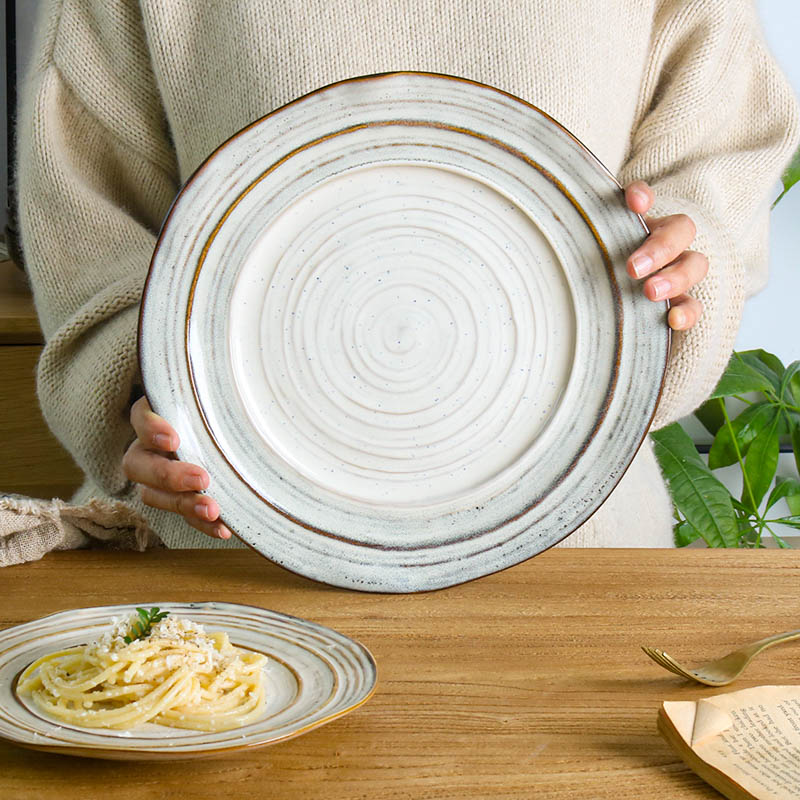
(753, 736)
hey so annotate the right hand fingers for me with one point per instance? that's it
(146, 462)
(151, 430)
(199, 510)
(154, 469)
(187, 504)
(214, 529)
(166, 483)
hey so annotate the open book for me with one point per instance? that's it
(746, 744)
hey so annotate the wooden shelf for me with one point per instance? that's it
(18, 321)
(34, 462)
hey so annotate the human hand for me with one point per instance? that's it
(665, 257)
(164, 482)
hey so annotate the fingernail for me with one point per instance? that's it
(162, 441)
(660, 286)
(640, 194)
(222, 532)
(193, 483)
(641, 263)
(678, 317)
(201, 510)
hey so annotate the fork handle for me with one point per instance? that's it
(776, 639)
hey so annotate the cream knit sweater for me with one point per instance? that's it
(125, 99)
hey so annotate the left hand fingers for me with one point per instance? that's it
(684, 312)
(669, 237)
(688, 269)
(665, 253)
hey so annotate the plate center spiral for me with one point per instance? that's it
(393, 335)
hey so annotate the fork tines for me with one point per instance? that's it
(664, 660)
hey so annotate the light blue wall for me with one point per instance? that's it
(772, 318)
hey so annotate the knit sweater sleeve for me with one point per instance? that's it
(716, 124)
(96, 176)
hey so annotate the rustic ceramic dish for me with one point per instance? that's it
(313, 676)
(392, 320)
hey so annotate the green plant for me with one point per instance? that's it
(791, 176)
(141, 627)
(704, 507)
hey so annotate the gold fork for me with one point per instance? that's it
(724, 670)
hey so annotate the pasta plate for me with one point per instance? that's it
(313, 676)
(392, 321)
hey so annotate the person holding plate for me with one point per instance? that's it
(681, 100)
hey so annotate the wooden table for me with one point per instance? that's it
(527, 683)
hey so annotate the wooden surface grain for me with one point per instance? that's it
(527, 683)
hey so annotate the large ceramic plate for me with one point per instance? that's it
(313, 675)
(392, 320)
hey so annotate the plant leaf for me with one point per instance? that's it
(761, 462)
(685, 533)
(769, 365)
(785, 424)
(748, 535)
(141, 627)
(704, 502)
(768, 359)
(785, 487)
(744, 428)
(781, 543)
(710, 415)
(795, 387)
(792, 522)
(790, 177)
(796, 443)
(739, 378)
(792, 372)
(745, 510)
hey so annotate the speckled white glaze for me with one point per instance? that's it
(399, 332)
(313, 675)
(386, 344)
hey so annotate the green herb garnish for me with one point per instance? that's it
(141, 627)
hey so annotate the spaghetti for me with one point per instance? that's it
(179, 676)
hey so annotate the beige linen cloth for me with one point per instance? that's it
(29, 528)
